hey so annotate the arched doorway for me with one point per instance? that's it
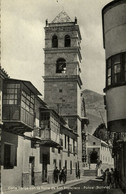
(93, 157)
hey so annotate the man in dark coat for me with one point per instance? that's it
(56, 174)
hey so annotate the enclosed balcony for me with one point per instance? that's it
(50, 128)
(18, 105)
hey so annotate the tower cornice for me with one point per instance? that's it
(61, 27)
(65, 50)
(64, 78)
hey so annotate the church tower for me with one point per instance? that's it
(62, 81)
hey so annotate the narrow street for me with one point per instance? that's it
(92, 186)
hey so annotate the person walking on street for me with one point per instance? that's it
(104, 175)
(79, 173)
(107, 177)
(60, 176)
(116, 177)
(112, 178)
(56, 174)
(64, 175)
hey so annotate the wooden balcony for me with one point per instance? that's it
(18, 106)
(49, 138)
(50, 128)
(17, 120)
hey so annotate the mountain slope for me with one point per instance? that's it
(94, 104)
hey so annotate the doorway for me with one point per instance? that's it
(44, 168)
(94, 157)
(32, 164)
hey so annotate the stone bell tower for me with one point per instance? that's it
(62, 81)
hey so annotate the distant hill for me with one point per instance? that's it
(94, 105)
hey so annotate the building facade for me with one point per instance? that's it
(35, 139)
(18, 155)
(99, 153)
(3, 75)
(62, 80)
(114, 40)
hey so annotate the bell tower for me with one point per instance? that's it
(62, 80)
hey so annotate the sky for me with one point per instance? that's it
(22, 38)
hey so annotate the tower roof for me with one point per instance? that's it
(62, 17)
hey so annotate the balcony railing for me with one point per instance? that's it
(17, 120)
(45, 133)
(49, 138)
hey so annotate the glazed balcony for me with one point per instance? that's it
(18, 106)
(50, 128)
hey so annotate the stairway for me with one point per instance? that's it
(90, 172)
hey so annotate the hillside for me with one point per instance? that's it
(94, 104)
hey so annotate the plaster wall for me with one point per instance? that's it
(116, 106)
(115, 30)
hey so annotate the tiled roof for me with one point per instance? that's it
(61, 18)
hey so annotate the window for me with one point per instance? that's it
(73, 146)
(53, 149)
(10, 156)
(109, 72)
(125, 65)
(59, 164)
(70, 167)
(116, 69)
(61, 142)
(68, 146)
(94, 143)
(27, 102)
(61, 65)
(45, 120)
(66, 164)
(67, 41)
(65, 141)
(58, 150)
(60, 90)
(124, 159)
(54, 41)
(54, 162)
(10, 93)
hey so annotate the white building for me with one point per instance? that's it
(99, 153)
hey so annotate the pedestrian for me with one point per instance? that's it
(112, 178)
(64, 175)
(116, 177)
(107, 177)
(79, 173)
(98, 172)
(60, 176)
(104, 175)
(56, 174)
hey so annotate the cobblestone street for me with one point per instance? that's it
(86, 185)
(93, 186)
